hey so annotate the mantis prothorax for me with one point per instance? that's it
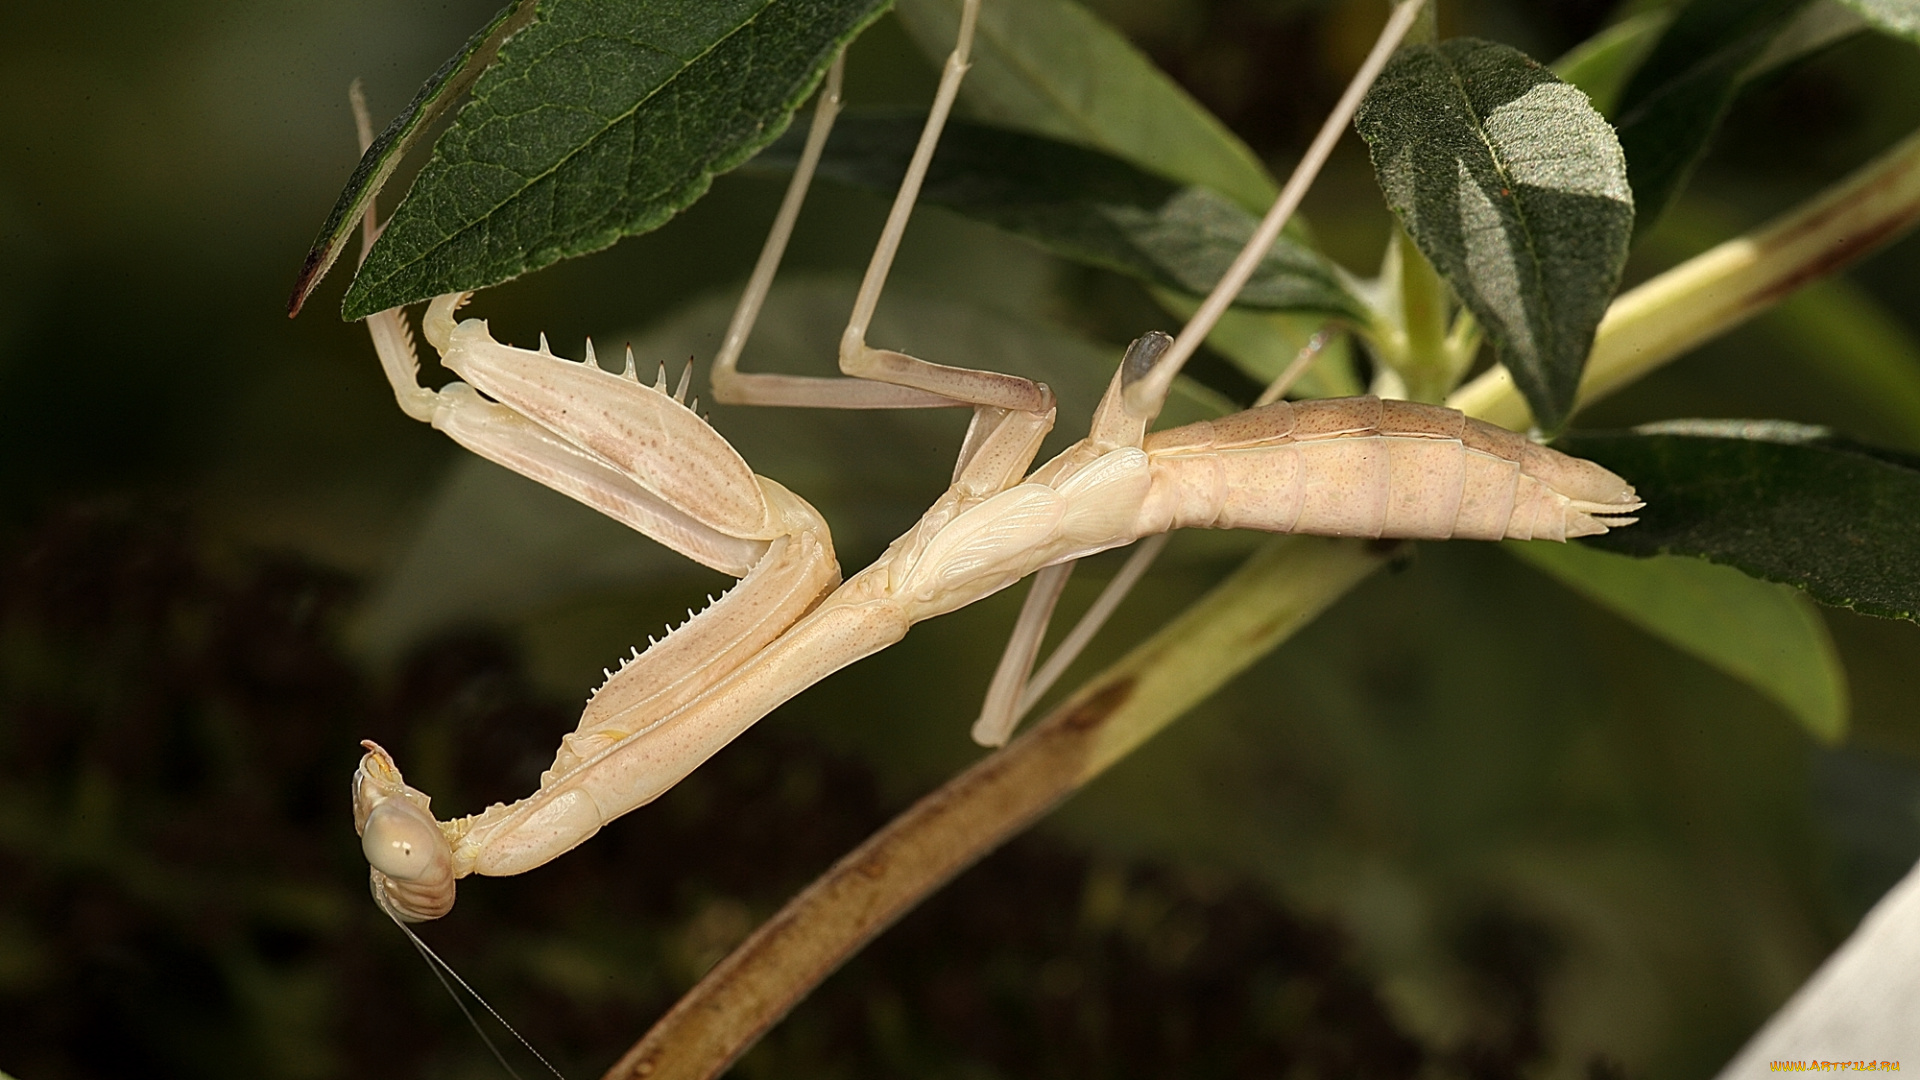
(1344, 467)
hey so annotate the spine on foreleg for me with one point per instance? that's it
(796, 574)
(636, 769)
(1372, 468)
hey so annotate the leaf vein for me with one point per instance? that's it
(486, 216)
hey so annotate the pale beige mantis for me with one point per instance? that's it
(1360, 467)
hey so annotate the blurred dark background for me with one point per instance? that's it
(1467, 824)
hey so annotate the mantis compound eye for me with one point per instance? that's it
(1145, 351)
(401, 842)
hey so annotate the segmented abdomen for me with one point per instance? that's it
(1366, 467)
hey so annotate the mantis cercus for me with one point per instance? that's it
(1343, 467)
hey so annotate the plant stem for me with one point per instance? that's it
(1429, 368)
(1278, 591)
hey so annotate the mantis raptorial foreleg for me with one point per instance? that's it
(1344, 467)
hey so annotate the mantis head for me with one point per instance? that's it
(411, 862)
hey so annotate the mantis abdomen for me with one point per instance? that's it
(1366, 467)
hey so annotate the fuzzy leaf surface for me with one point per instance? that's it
(1081, 204)
(1769, 636)
(1901, 17)
(1675, 101)
(601, 120)
(1514, 187)
(1783, 502)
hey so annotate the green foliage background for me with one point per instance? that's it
(1498, 822)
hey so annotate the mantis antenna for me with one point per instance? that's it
(442, 971)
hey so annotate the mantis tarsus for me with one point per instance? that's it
(1342, 467)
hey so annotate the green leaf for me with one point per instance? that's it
(1783, 502)
(440, 91)
(600, 120)
(1514, 188)
(1053, 67)
(1083, 205)
(1901, 17)
(1603, 64)
(1768, 636)
(1673, 104)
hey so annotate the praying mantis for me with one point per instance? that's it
(1361, 467)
